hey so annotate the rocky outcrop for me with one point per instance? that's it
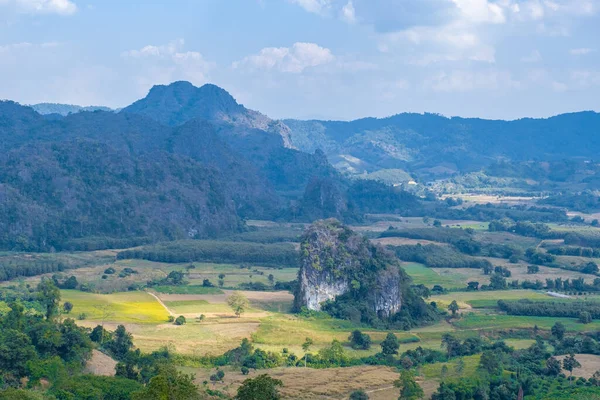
(336, 261)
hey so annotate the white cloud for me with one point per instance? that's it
(293, 59)
(349, 13)
(61, 7)
(581, 51)
(166, 63)
(481, 11)
(534, 57)
(314, 6)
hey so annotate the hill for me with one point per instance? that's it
(65, 109)
(433, 145)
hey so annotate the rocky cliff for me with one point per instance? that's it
(336, 262)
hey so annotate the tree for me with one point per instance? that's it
(67, 307)
(390, 345)
(497, 282)
(460, 366)
(263, 387)
(49, 297)
(121, 344)
(409, 388)
(558, 330)
(453, 307)
(271, 279)
(308, 342)
(169, 384)
(437, 223)
(180, 320)
(474, 285)
(553, 367)
(221, 279)
(238, 303)
(359, 395)
(359, 340)
(533, 269)
(490, 362)
(570, 363)
(444, 393)
(585, 317)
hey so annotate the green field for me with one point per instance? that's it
(189, 289)
(129, 307)
(421, 274)
(494, 321)
(478, 298)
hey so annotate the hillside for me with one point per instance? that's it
(433, 145)
(194, 173)
(65, 109)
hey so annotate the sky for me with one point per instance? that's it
(324, 59)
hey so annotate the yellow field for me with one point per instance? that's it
(128, 307)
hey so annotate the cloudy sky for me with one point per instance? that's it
(335, 59)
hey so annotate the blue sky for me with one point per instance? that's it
(338, 59)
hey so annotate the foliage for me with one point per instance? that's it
(238, 303)
(390, 345)
(262, 387)
(277, 254)
(409, 388)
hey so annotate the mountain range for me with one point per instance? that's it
(190, 161)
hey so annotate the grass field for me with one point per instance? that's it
(495, 321)
(129, 307)
(468, 299)
(429, 277)
(188, 289)
(303, 383)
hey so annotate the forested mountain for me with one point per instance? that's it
(64, 109)
(434, 145)
(196, 172)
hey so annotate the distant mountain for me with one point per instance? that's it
(180, 102)
(432, 145)
(65, 109)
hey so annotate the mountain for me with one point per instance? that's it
(65, 109)
(432, 145)
(137, 173)
(180, 102)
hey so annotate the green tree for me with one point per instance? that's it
(558, 330)
(453, 307)
(67, 307)
(238, 303)
(15, 351)
(553, 367)
(308, 342)
(180, 320)
(49, 297)
(444, 393)
(221, 279)
(263, 387)
(169, 384)
(570, 363)
(409, 388)
(359, 340)
(390, 345)
(585, 317)
(359, 395)
(490, 362)
(121, 343)
(460, 366)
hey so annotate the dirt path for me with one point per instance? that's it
(161, 303)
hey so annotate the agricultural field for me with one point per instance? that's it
(128, 307)
(429, 277)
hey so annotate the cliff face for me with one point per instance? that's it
(338, 262)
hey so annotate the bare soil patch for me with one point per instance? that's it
(100, 364)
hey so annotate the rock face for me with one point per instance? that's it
(336, 261)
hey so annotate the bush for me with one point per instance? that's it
(180, 320)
